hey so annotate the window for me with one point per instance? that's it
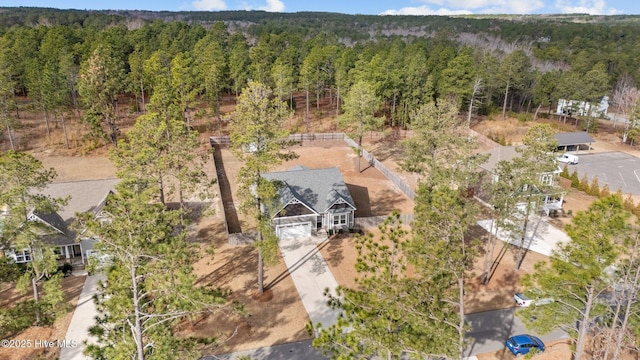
(340, 219)
(546, 179)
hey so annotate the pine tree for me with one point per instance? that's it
(584, 183)
(605, 191)
(594, 188)
(150, 284)
(575, 181)
(576, 284)
(259, 141)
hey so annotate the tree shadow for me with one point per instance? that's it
(360, 196)
(226, 195)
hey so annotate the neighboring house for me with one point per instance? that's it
(311, 200)
(55, 231)
(550, 201)
(84, 196)
(582, 108)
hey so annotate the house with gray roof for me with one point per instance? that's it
(310, 200)
(83, 196)
(550, 200)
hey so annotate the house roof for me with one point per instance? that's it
(498, 154)
(85, 195)
(318, 189)
(573, 138)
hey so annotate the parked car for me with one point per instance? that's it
(522, 300)
(523, 344)
(568, 158)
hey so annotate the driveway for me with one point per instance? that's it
(541, 236)
(311, 275)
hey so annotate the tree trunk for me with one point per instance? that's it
(137, 330)
(461, 331)
(583, 329)
(535, 115)
(64, 129)
(504, 103)
(260, 268)
(306, 114)
(161, 189)
(627, 314)
(46, 120)
(36, 297)
(337, 107)
(13, 145)
(488, 256)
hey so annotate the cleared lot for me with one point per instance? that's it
(619, 170)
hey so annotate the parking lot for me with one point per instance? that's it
(619, 170)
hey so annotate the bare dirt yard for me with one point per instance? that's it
(279, 316)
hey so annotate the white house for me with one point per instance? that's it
(581, 108)
(550, 200)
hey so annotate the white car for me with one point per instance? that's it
(522, 300)
(569, 159)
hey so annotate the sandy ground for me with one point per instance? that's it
(278, 316)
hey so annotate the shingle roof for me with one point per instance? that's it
(316, 188)
(573, 138)
(498, 154)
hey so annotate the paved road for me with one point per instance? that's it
(490, 330)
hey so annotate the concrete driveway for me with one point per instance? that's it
(541, 236)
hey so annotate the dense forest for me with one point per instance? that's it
(64, 60)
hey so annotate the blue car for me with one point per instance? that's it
(522, 344)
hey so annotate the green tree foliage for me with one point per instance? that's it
(360, 106)
(259, 141)
(150, 284)
(514, 74)
(212, 66)
(442, 253)
(385, 314)
(583, 185)
(439, 142)
(576, 274)
(575, 181)
(456, 80)
(7, 92)
(239, 61)
(23, 178)
(102, 79)
(594, 187)
(185, 83)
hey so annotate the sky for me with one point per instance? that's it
(367, 7)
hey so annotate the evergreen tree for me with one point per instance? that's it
(23, 178)
(259, 141)
(150, 284)
(577, 273)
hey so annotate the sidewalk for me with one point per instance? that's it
(83, 318)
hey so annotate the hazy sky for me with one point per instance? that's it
(371, 7)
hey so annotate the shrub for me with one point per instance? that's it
(628, 203)
(575, 181)
(605, 191)
(583, 185)
(565, 172)
(594, 188)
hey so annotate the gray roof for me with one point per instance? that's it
(85, 195)
(573, 138)
(318, 189)
(498, 154)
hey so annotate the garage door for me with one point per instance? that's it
(294, 231)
